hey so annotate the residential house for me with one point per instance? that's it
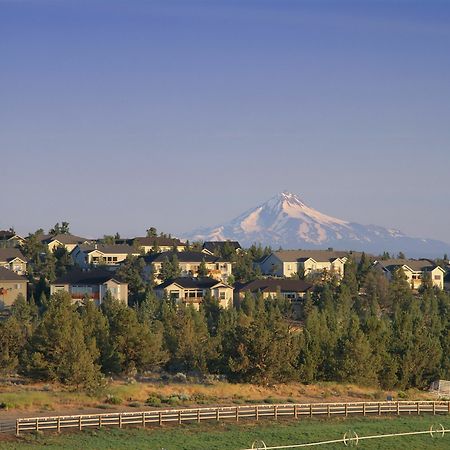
(189, 264)
(92, 284)
(285, 263)
(11, 285)
(218, 247)
(86, 255)
(66, 240)
(9, 238)
(415, 271)
(157, 244)
(11, 258)
(190, 290)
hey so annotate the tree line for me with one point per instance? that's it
(362, 330)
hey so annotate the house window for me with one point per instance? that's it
(18, 286)
(437, 277)
(222, 296)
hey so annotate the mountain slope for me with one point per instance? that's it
(286, 221)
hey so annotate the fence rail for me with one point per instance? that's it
(230, 413)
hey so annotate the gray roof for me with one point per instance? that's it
(91, 277)
(8, 254)
(63, 238)
(185, 257)
(275, 284)
(112, 249)
(303, 255)
(418, 265)
(158, 240)
(9, 275)
(192, 283)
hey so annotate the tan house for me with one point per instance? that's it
(158, 244)
(102, 255)
(286, 263)
(9, 238)
(189, 263)
(93, 284)
(190, 290)
(11, 285)
(13, 259)
(415, 270)
(68, 241)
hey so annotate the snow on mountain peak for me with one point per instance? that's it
(285, 220)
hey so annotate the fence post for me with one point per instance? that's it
(448, 406)
(99, 421)
(310, 410)
(143, 419)
(364, 409)
(179, 416)
(295, 411)
(18, 426)
(37, 424)
(379, 408)
(79, 422)
(237, 414)
(58, 425)
(120, 420)
(160, 418)
(198, 415)
(398, 408)
(275, 412)
(257, 412)
(434, 408)
(218, 415)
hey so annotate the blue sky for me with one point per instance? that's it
(120, 115)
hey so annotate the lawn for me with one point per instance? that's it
(233, 436)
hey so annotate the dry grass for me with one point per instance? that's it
(117, 394)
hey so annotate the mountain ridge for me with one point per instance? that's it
(287, 221)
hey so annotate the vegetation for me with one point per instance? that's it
(230, 436)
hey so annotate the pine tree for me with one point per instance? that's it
(58, 348)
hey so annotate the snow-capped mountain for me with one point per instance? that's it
(286, 221)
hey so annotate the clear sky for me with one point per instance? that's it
(121, 115)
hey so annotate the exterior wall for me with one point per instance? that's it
(437, 277)
(162, 248)
(118, 290)
(223, 294)
(55, 244)
(272, 266)
(219, 271)
(16, 265)
(9, 290)
(414, 279)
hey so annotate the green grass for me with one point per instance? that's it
(233, 436)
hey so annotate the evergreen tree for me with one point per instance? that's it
(58, 348)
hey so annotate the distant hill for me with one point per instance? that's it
(286, 221)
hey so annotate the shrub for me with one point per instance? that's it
(113, 400)
(401, 394)
(154, 401)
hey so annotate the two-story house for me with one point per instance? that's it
(87, 255)
(158, 244)
(11, 285)
(189, 263)
(11, 258)
(415, 271)
(190, 290)
(66, 240)
(92, 284)
(9, 238)
(286, 263)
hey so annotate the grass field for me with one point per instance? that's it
(240, 436)
(122, 395)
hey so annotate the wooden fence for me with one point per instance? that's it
(229, 413)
